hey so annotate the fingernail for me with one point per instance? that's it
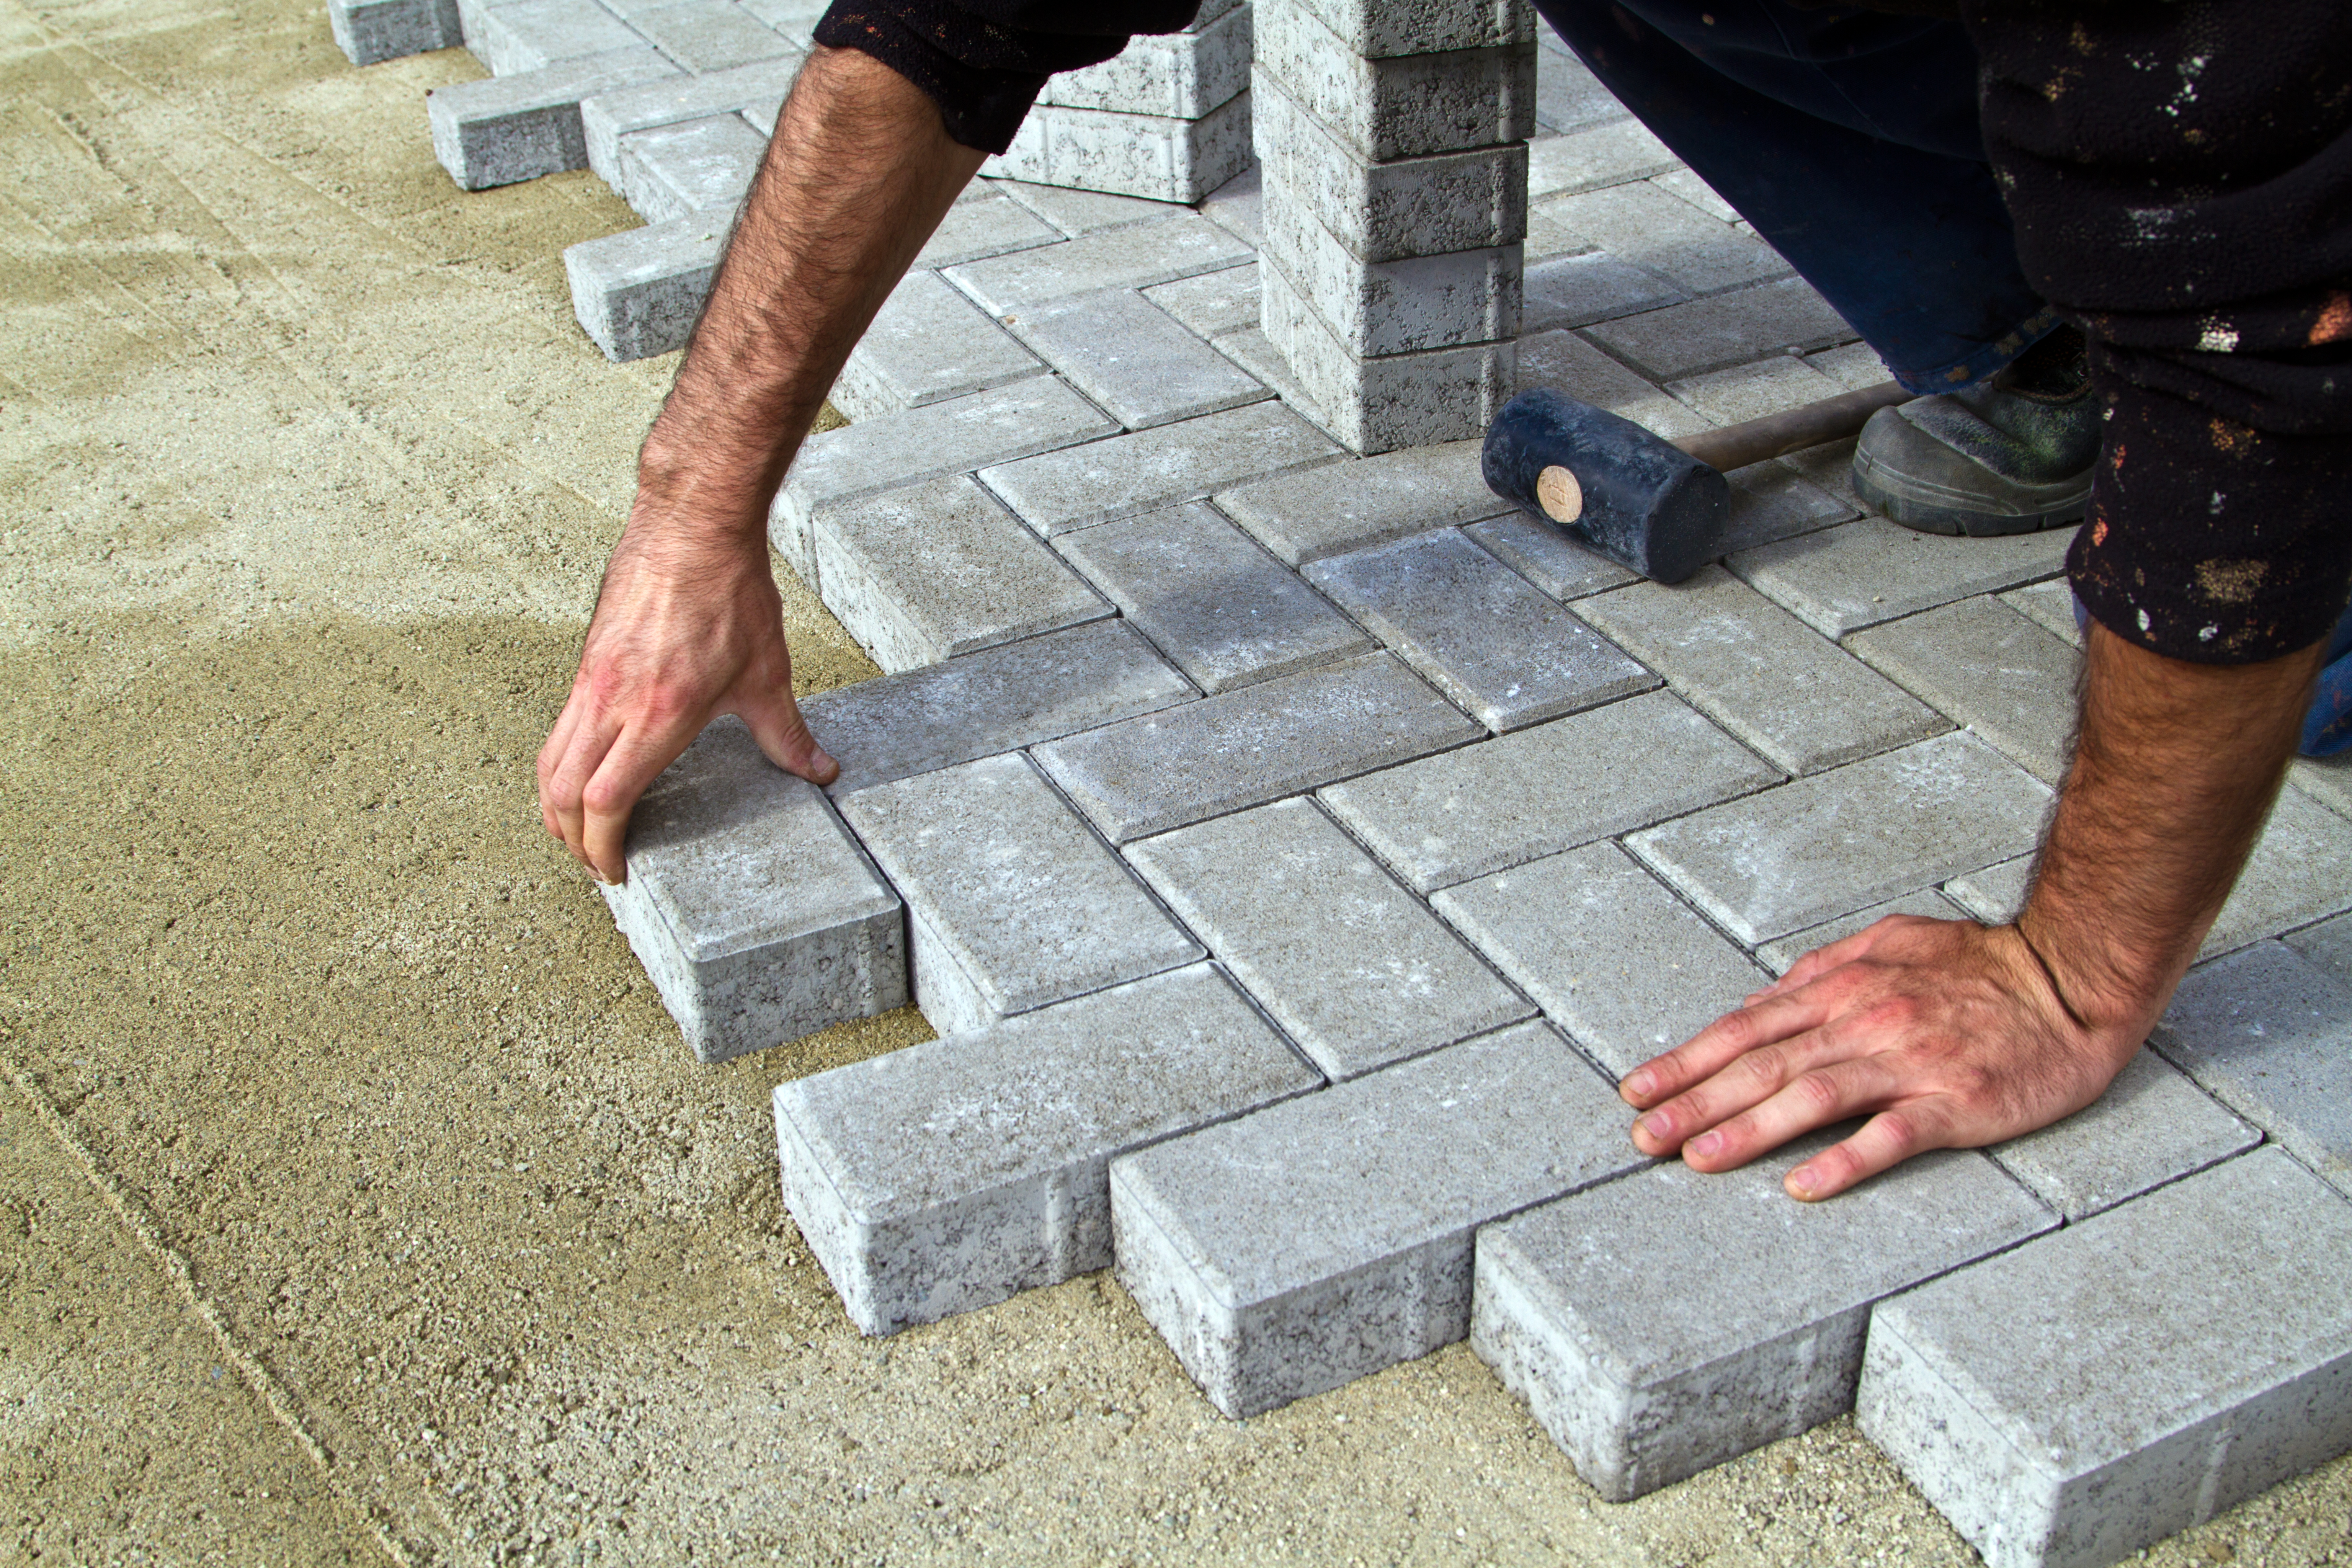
(1802, 1179)
(1638, 1082)
(1658, 1127)
(1704, 1146)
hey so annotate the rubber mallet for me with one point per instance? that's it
(1655, 506)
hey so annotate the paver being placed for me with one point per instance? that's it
(2150, 1127)
(507, 129)
(609, 116)
(1725, 328)
(1831, 843)
(1478, 630)
(936, 570)
(928, 343)
(696, 166)
(1990, 669)
(1842, 579)
(1217, 605)
(1147, 469)
(1316, 1242)
(1398, 105)
(1760, 673)
(1338, 507)
(1611, 956)
(1134, 256)
(1646, 1369)
(1035, 415)
(1131, 357)
(1212, 303)
(1780, 953)
(639, 292)
(1011, 903)
(992, 226)
(955, 1174)
(2110, 1383)
(998, 699)
(2269, 1034)
(712, 36)
(755, 914)
(1353, 967)
(1447, 818)
(1276, 737)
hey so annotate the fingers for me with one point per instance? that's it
(552, 804)
(635, 759)
(1885, 1140)
(563, 795)
(1763, 1023)
(1834, 1092)
(776, 723)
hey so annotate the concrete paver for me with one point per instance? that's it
(1992, 669)
(1781, 954)
(1134, 256)
(694, 166)
(1334, 508)
(510, 129)
(1150, 468)
(1131, 357)
(2151, 1126)
(1842, 579)
(928, 343)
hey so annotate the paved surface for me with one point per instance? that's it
(359, 1201)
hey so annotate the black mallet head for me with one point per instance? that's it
(1641, 501)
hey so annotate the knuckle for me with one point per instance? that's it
(1901, 1131)
(1818, 1092)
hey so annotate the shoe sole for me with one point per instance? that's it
(1933, 508)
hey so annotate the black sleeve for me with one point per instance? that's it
(2181, 176)
(984, 62)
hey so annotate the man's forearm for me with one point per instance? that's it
(2175, 769)
(857, 176)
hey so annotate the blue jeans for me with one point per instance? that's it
(1850, 140)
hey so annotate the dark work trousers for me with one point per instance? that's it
(1850, 139)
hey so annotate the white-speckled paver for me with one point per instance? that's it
(2151, 1126)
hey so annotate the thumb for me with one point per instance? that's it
(775, 721)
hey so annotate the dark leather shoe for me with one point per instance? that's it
(2009, 455)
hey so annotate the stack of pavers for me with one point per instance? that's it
(1392, 143)
(1169, 119)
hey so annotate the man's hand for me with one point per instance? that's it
(1946, 1034)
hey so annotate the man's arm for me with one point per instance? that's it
(1951, 1035)
(687, 624)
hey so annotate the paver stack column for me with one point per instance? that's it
(1392, 139)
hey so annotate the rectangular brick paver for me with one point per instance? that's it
(1156, 468)
(1548, 556)
(1992, 669)
(1214, 302)
(975, 230)
(1725, 330)
(2151, 1126)
(1309, 1244)
(1132, 357)
(1133, 256)
(1337, 507)
(1352, 966)
(2270, 1035)
(955, 1174)
(1842, 579)
(928, 343)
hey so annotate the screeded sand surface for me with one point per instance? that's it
(357, 1199)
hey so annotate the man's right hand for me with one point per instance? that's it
(683, 632)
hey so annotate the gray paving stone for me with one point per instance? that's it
(1568, 96)
(472, 14)
(1076, 213)
(1995, 894)
(1105, 480)
(2269, 1034)
(2152, 1126)
(1596, 155)
(714, 36)
(509, 129)
(1660, 1325)
(2327, 944)
(1385, 28)
(1388, 307)
(1549, 556)
(1760, 673)
(796, 19)
(998, 699)
(609, 116)
(1388, 401)
(1220, 610)
(936, 570)
(1339, 507)
(1388, 211)
(1534, 793)
(2049, 604)
(1827, 845)
(1478, 630)
(1251, 349)
(1990, 669)
(1756, 389)
(1133, 256)
(639, 292)
(1178, 76)
(1401, 106)
(1842, 579)
(1771, 501)
(1725, 330)
(928, 343)
(974, 230)
(755, 914)
(1144, 155)
(958, 1173)
(1577, 290)
(698, 166)
(1661, 233)
(1012, 901)
(1687, 186)
(1611, 956)
(2327, 780)
(1781, 954)
(1315, 1242)
(1234, 206)
(2120, 1380)
(1566, 362)
(1132, 358)
(1355, 969)
(535, 34)
(1276, 737)
(1032, 416)
(368, 31)
(1214, 302)
(2296, 876)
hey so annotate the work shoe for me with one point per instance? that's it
(2009, 454)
